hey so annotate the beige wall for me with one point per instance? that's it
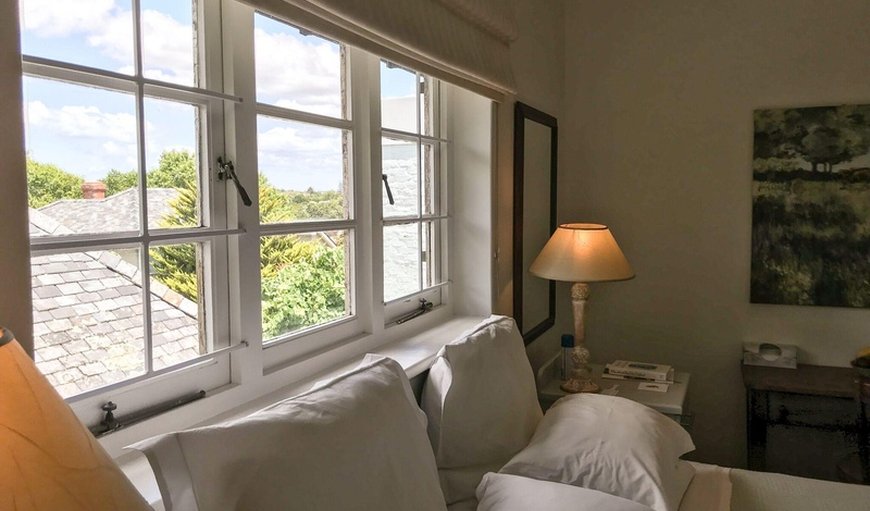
(15, 311)
(657, 131)
(538, 61)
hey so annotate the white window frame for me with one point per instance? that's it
(210, 370)
(263, 368)
(440, 218)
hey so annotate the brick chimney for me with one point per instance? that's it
(93, 190)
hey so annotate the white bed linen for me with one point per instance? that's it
(764, 491)
(504, 492)
(357, 442)
(710, 489)
(609, 444)
(482, 404)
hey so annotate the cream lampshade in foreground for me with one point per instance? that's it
(50, 461)
(581, 253)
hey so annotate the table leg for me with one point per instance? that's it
(756, 428)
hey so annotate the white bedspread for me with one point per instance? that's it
(761, 491)
(710, 489)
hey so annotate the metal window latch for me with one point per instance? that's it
(425, 306)
(389, 192)
(226, 170)
(111, 423)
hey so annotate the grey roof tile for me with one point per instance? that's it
(88, 316)
(116, 213)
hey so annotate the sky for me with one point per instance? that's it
(90, 131)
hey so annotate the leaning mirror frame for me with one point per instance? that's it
(524, 175)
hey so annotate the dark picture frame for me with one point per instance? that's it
(535, 162)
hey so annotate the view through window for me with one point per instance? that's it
(133, 253)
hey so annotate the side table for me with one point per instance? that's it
(810, 396)
(671, 403)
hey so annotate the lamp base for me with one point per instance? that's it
(574, 386)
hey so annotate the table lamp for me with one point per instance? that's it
(581, 253)
(50, 461)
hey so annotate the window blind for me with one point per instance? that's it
(465, 42)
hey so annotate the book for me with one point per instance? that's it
(646, 371)
(608, 376)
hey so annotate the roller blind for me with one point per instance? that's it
(465, 42)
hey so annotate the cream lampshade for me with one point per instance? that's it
(50, 461)
(581, 253)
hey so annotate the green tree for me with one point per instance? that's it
(303, 282)
(306, 291)
(175, 169)
(47, 183)
(312, 205)
(117, 181)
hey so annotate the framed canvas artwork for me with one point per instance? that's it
(811, 206)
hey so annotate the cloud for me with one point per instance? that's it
(50, 18)
(82, 122)
(298, 73)
(106, 27)
(167, 51)
(301, 156)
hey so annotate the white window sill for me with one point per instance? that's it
(415, 354)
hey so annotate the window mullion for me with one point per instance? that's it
(240, 130)
(366, 116)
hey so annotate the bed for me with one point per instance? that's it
(364, 441)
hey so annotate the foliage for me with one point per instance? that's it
(176, 266)
(175, 169)
(317, 205)
(117, 181)
(47, 183)
(306, 291)
(303, 280)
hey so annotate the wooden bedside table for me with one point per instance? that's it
(671, 403)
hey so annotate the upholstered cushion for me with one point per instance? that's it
(357, 442)
(482, 404)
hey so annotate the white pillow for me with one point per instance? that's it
(610, 444)
(482, 404)
(503, 492)
(357, 442)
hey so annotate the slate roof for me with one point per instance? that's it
(116, 213)
(87, 316)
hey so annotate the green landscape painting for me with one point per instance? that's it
(811, 206)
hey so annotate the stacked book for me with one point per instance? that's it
(628, 370)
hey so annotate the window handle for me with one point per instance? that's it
(389, 192)
(425, 306)
(226, 170)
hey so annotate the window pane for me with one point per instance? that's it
(304, 171)
(400, 166)
(398, 98)
(401, 260)
(172, 159)
(95, 33)
(78, 135)
(168, 41)
(305, 280)
(177, 304)
(87, 318)
(299, 70)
